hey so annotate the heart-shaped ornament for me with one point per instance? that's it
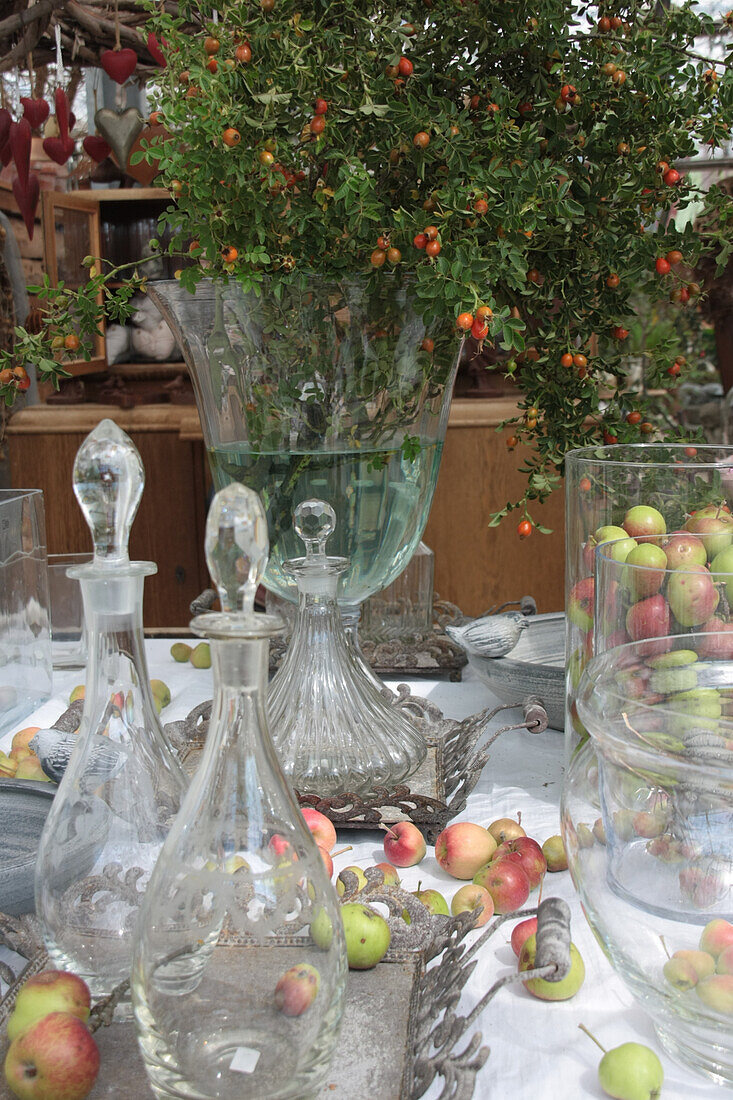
(27, 199)
(58, 149)
(20, 147)
(61, 102)
(35, 110)
(155, 51)
(96, 147)
(5, 121)
(119, 130)
(119, 65)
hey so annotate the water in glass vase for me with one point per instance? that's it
(381, 500)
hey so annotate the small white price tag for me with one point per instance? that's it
(245, 1060)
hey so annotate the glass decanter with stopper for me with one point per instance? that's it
(320, 703)
(122, 785)
(239, 968)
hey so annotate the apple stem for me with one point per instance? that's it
(592, 1036)
(519, 817)
(340, 852)
(542, 886)
(664, 945)
(389, 831)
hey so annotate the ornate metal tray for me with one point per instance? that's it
(400, 1029)
(457, 753)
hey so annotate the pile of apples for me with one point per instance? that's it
(502, 862)
(51, 1052)
(21, 762)
(680, 583)
(708, 970)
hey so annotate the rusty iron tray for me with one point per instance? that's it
(439, 789)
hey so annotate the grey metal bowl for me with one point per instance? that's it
(24, 805)
(536, 666)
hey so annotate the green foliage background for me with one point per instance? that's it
(572, 192)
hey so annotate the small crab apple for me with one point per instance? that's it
(552, 991)
(360, 878)
(506, 828)
(527, 854)
(321, 827)
(717, 935)
(404, 844)
(555, 855)
(507, 883)
(391, 878)
(521, 932)
(297, 989)
(464, 847)
(471, 897)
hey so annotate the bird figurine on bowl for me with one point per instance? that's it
(490, 635)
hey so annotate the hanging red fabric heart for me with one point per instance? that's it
(155, 51)
(35, 110)
(58, 149)
(5, 120)
(96, 147)
(20, 147)
(61, 101)
(27, 199)
(119, 65)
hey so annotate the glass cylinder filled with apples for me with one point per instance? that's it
(632, 495)
(653, 586)
(646, 814)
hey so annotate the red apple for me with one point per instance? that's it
(323, 829)
(471, 897)
(724, 964)
(644, 520)
(531, 859)
(49, 991)
(391, 878)
(580, 604)
(717, 993)
(522, 932)
(327, 861)
(716, 642)
(463, 847)
(648, 619)
(507, 883)
(297, 989)
(692, 595)
(684, 549)
(404, 844)
(55, 1058)
(714, 532)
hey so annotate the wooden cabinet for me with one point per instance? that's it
(116, 225)
(475, 565)
(169, 528)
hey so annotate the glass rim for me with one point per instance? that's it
(591, 454)
(209, 284)
(18, 494)
(610, 736)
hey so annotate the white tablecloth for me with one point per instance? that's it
(537, 1051)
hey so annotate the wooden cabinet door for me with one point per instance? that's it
(71, 231)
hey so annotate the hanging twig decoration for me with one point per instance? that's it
(88, 27)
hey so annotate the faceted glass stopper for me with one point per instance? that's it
(314, 522)
(108, 482)
(237, 546)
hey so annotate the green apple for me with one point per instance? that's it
(322, 929)
(367, 935)
(433, 901)
(609, 533)
(722, 569)
(554, 852)
(644, 520)
(563, 990)
(360, 876)
(665, 681)
(644, 572)
(181, 652)
(692, 595)
(676, 658)
(631, 1072)
(161, 693)
(200, 656)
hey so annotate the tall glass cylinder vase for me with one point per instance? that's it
(325, 392)
(632, 491)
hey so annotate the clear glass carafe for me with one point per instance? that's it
(333, 732)
(122, 786)
(240, 964)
